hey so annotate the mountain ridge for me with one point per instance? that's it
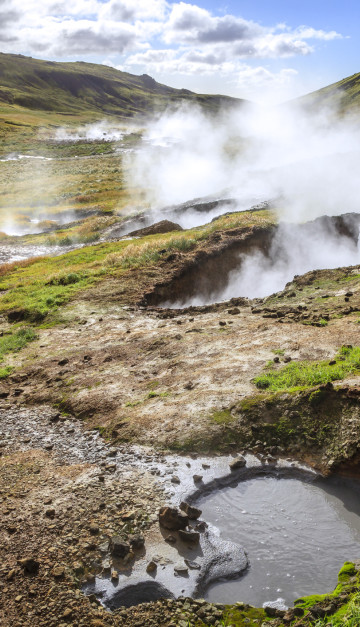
(80, 86)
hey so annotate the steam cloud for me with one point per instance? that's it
(99, 131)
(307, 160)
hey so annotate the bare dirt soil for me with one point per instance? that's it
(164, 378)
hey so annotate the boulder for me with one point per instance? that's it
(151, 567)
(137, 541)
(118, 547)
(173, 519)
(192, 512)
(164, 226)
(238, 462)
(191, 537)
(30, 565)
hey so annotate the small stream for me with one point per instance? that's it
(297, 535)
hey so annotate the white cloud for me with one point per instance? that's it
(190, 24)
(131, 10)
(154, 36)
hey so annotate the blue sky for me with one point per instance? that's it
(263, 50)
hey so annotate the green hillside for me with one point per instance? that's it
(345, 95)
(86, 87)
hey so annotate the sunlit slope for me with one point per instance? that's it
(344, 95)
(86, 87)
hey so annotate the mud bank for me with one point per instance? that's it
(219, 274)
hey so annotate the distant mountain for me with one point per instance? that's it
(345, 95)
(86, 87)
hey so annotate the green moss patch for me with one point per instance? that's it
(16, 341)
(304, 374)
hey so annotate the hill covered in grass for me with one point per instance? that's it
(86, 87)
(344, 95)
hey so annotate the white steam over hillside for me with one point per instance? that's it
(309, 161)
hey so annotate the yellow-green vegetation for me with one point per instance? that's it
(79, 86)
(348, 614)
(222, 417)
(344, 94)
(13, 342)
(302, 374)
(40, 285)
(92, 190)
(4, 372)
(37, 95)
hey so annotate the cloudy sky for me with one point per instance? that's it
(265, 49)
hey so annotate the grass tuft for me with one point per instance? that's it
(307, 374)
(15, 341)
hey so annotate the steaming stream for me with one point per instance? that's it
(297, 535)
(266, 262)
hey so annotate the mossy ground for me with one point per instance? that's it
(300, 375)
(38, 286)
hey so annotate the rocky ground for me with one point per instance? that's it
(114, 375)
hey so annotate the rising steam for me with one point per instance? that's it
(308, 161)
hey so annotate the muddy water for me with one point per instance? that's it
(297, 535)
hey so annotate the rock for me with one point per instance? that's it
(201, 526)
(192, 565)
(58, 572)
(234, 311)
(197, 478)
(78, 568)
(317, 611)
(63, 362)
(11, 574)
(30, 565)
(192, 537)
(114, 574)
(94, 529)
(128, 516)
(173, 519)
(118, 547)
(298, 611)
(151, 567)
(106, 566)
(181, 569)
(164, 226)
(137, 541)
(192, 512)
(238, 462)
(175, 479)
(170, 539)
(50, 512)
(129, 557)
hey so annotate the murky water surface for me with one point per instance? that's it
(297, 535)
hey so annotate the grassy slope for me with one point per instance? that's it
(82, 87)
(40, 285)
(344, 94)
(36, 94)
